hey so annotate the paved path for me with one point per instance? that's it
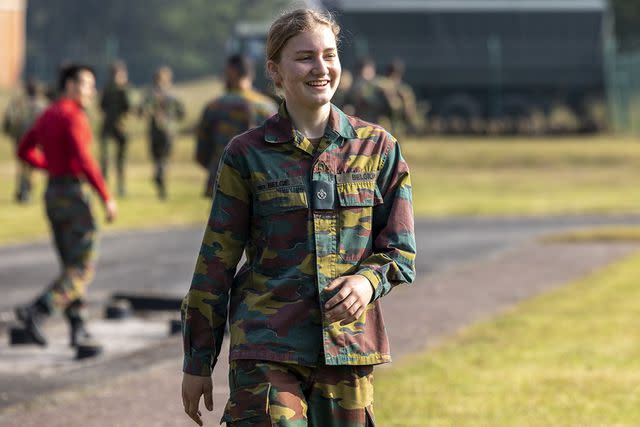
(436, 306)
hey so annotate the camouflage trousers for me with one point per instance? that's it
(74, 231)
(161, 145)
(265, 393)
(113, 132)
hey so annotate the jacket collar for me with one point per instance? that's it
(279, 129)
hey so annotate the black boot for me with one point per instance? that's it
(32, 316)
(75, 314)
(78, 332)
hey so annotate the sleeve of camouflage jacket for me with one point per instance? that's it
(394, 247)
(204, 309)
(204, 138)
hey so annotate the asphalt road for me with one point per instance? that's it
(162, 261)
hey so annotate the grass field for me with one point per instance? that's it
(451, 176)
(474, 176)
(569, 358)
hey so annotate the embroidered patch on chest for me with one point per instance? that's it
(280, 183)
(355, 177)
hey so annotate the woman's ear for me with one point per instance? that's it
(274, 73)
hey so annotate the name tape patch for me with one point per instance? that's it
(355, 177)
(281, 183)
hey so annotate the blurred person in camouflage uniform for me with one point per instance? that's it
(59, 142)
(164, 111)
(20, 115)
(115, 105)
(407, 118)
(369, 97)
(340, 97)
(320, 203)
(239, 110)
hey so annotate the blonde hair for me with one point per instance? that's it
(293, 23)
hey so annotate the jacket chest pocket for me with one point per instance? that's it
(280, 196)
(356, 200)
(280, 223)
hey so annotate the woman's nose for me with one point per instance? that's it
(320, 66)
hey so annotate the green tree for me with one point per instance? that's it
(189, 35)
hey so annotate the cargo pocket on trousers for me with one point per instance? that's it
(248, 406)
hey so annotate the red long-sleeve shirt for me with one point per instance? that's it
(59, 142)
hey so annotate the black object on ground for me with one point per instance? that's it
(118, 309)
(150, 302)
(88, 349)
(19, 336)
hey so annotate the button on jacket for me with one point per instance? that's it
(304, 216)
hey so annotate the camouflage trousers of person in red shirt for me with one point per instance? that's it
(74, 231)
(265, 393)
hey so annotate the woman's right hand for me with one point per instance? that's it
(193, 387)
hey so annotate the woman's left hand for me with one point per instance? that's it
(351, 300)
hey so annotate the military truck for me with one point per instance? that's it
(480, 60)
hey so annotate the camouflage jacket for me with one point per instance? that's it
(21, 114)
(227, 116)
(164, 111)
(371, 101)
(303, 219)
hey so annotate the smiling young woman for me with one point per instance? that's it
(306, 70)
(320, 202)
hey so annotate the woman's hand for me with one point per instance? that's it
(193, 387)
(351, 300)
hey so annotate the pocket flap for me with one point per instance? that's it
(365, 193)
(249, 403)
(281, 195)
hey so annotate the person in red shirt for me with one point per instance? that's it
(59, 142)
